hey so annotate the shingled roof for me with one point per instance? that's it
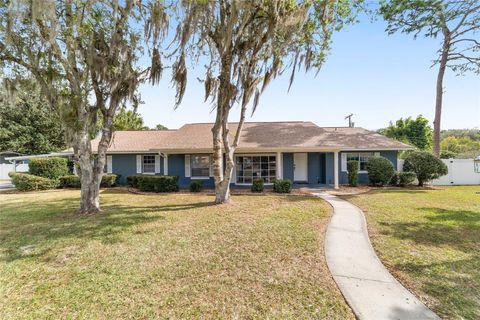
(286, 136)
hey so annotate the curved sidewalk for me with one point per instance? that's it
(370, 290)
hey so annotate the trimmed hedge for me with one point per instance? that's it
(425, 165)
(282, 186)
(394, 180)
(406, 178)
(157, 183)
(257, 185)
(132, 181)
(109, 180)
(51, 168)
(380, 170)
(70, 181)
(196, 186)
(73, 181)
(352, 169)
(28, 182)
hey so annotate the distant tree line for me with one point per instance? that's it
(455, 143)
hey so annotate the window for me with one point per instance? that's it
(148, 164)
(249, 168)
(200, 166)
(361, 157)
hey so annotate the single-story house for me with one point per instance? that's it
(300, 151)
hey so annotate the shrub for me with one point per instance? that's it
(157, 183)
(447, 154)
(196, 186)
(70, 181)
(380, 170)
(132, 181)
(73, 181)
(109, 180)
(282, 186)
(352, 168)
(394, 179)
(425, 166)
(51, 168)
(27, 182)
(257, 185)
(406, 178)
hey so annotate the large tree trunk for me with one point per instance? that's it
(89, 177)
(439, 95)
(221, 146)
(222, 179)
(91, 171)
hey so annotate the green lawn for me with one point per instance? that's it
(430, 239)
(164, 256)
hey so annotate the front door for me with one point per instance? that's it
(300, 172)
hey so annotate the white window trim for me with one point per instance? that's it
(192, 177)
(109, 164)
(141, 165)
(234, 175)
(344, 159)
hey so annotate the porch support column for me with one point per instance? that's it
(165, 164)
(335, 170)
(279, 165)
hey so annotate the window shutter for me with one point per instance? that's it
(211, 166)
(139, 163)
(165, 165)
(157, 163)
(377, 154)
(343, 162)
(187, 165)
(109, 164)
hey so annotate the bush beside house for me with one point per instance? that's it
(29, 182)
(149, 183)
(282, 186)
(196, 186)
(380, 170)
(257, 185)
(406, 178)
(352, 169)
(70, 181)
(73, 181)
(425, 165)
(44, 173)
(51, 168)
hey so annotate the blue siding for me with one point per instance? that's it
(320, 168)
(392, 156)
(288, 166)
(176, 167)
(329, 168)
(363, 177)
(317, 168)
(124, 165)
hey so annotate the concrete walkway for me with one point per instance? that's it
(370, 290)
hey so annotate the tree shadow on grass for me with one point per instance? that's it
(455, 284)
(466, 217)
(459, 229)
(42, 225)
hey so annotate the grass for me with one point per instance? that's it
(430, 239)
(165, 256)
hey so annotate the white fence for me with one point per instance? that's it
(5, 168)
(460, 172)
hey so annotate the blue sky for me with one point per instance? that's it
(375, 76)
